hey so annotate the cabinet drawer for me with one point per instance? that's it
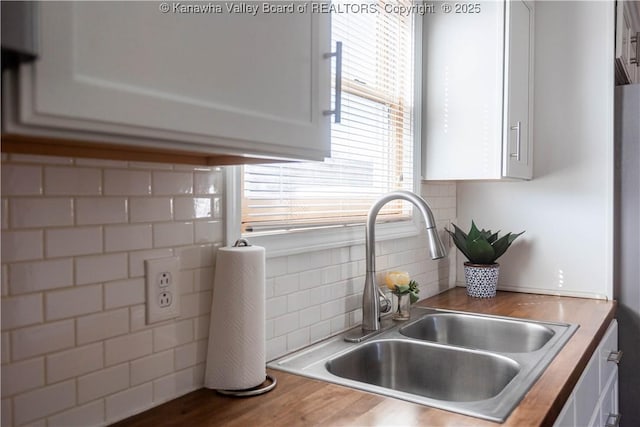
(609, 407)
(587, 392)
(608, 346)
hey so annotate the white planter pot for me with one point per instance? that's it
(481, 279)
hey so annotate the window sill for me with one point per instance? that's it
(302, 241)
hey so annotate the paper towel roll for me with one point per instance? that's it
(236, 354)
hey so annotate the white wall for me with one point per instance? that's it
(566, 209)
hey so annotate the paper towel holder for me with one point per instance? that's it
(259, 389)
(241, 242)
(254, 391)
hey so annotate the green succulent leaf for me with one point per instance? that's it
(481, 246)
(474, 233)
(501, 245)
(459, 238)
(413, 297)
(481, 251)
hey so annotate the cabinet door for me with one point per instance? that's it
(462, 98)
(609, 410)
(218, 78)
(517, 152)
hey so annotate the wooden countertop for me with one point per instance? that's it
(301, 401)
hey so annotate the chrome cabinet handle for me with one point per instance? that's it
(635, 39)
(615, 422)
(615, 357)
(518, 130)
(337, 111)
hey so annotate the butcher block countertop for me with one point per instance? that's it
(300, 401)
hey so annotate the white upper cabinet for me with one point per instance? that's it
(627, 42)
(478, 91)
(218, 81)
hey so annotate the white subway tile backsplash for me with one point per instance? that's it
(276, 307)
(151, 367)
(207, 183)
(124, 293)
(284, 285)
(73, 302)
(172, 335)
(73, 241)
(44, 401)
(197, 256)
(151, 209)
(100, 268)
(285, 324)
(22, 376)
(172, 234)
(123, 182)
(75, 362)
(203, 279)
(101, 210)
(72, 181)
(21, 311)
(129, 402)
(298, 301)
(6, 413)
(167, 183)
(137, 258)
(42, 339)
(103, 325)
(319, 331)
(21, 245)
(21, 180)
(196, 304)
(103, 383)
(134, 211)
(208, 231)
(40, 275)
(4, 213)
(186, 208)
(41, 212)
(91, 414)
(298, 339)
(310, 316)
(33, 158)
(128, 347)
(201, 327)
(5, 348)
(190, 354)
(138, 317)
(127, 237)
(165, 388)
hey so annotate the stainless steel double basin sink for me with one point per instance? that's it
(472, 364)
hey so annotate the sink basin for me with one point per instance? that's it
(480, 332)
(432, 371)
(476, 365)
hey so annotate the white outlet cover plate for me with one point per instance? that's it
(156, 272)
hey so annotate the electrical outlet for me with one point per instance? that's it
(163, 295)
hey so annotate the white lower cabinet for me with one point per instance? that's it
(594, 400)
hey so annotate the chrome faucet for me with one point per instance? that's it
(372, 293)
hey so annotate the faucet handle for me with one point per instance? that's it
(385, 302)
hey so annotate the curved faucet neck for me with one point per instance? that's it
(370, 296)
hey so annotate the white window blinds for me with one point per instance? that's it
(372, 147)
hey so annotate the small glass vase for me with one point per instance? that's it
(401, 307)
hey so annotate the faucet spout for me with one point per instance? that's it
(370, 296)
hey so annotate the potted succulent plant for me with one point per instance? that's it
(482, 248)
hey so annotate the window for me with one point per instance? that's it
(372, 147)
